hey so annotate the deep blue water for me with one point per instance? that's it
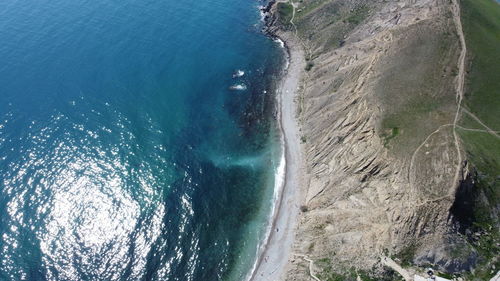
(123, 154)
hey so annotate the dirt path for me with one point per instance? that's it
(293, 17)
(296, 33)
(459, 90)
(310, 266)
(459, 96)
(494, 133)
(414, 155)
(396, 267)
(488, 129)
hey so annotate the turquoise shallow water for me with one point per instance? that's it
(123, 153)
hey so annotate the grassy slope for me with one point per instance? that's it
(481, 23)
(285, 13)
(481, 20)
(416, 86)
(324, 23)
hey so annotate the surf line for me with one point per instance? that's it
(280, 174)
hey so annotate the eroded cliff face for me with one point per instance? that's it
(377, 110)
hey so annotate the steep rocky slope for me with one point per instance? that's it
(379, 108)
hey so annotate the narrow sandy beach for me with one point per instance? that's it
(273, 261)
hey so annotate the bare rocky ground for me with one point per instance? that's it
(377, 108)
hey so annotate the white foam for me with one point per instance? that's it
(280, 42)
(279, 183)
(238, 73)
(262, 13)
(238, 87)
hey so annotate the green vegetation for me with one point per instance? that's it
(310, 6)
(358, 15)
(285, 13)
(481, 24)
(406, 255)
(445, 275)
(328, 274)
(488, 248)
(481, 20)
(352, 275)
(394, 132)
(483, 150)
(309, 65)
(413, 121)
(416, 89)
(468, 122)
(325, 23)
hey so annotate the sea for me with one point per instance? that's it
(128, 151)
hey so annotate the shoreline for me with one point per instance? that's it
(276, 250)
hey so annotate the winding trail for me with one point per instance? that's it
(459, 97)
(307, 54)
(396, 267)
(494, 133)
(293, 17)
(412, 160)
(488, 129)
(296, 33)
(460, 89)
(310, 266)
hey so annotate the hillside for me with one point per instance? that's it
(399, 122)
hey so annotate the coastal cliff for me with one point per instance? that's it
(383, 113)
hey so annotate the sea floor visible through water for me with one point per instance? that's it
(125, 154)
